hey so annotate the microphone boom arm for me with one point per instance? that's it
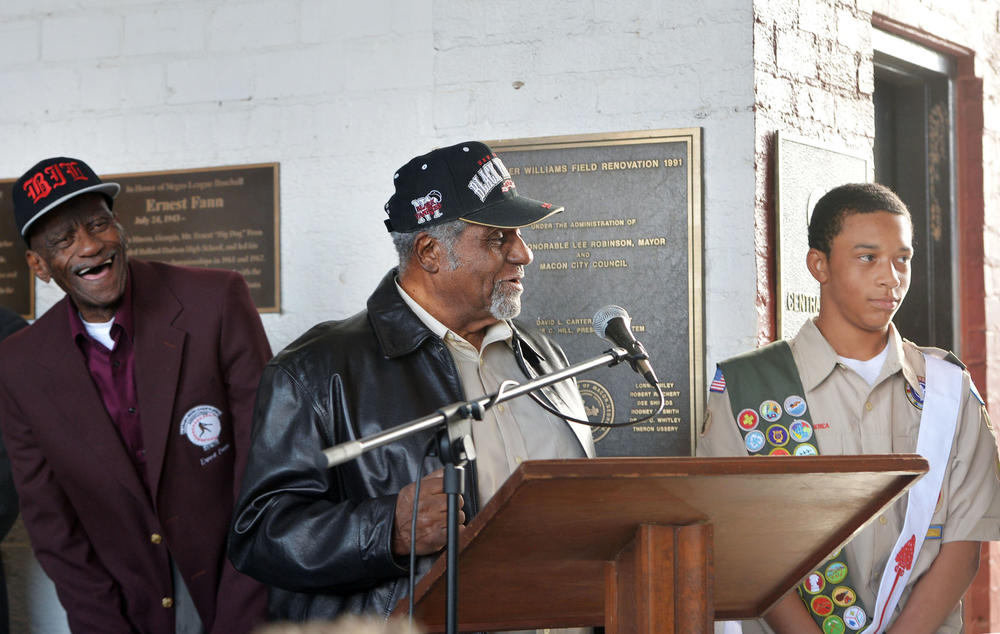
(462, 410)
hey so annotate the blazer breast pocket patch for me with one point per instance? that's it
(202, 425)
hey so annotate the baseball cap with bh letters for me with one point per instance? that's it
(467, 181)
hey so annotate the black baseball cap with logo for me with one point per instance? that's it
(467, 181)
(52, 182)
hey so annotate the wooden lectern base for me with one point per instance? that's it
(661, 582)
(655, 545)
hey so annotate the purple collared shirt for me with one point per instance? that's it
(113, 373)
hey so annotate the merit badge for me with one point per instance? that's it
(855, 617)
(844, 596)
(202, 426)
(836, 572)
(801, 430)
(780, 451)
(770, 410)
(795, 405)
(719, 382)
(777, 435)
(821, 605)
(814, 583)
(754, 441)
(805, 449)
(911, 394)
(747, 419)
(833, 624)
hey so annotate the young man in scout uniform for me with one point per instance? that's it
(849, 384)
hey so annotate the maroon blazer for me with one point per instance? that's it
(199, 344)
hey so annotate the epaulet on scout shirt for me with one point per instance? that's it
(949, 356)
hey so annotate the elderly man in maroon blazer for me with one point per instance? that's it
(126, 413)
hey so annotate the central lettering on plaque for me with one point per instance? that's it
(631, 236)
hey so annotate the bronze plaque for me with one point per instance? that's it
(631, 235)
(217, 217)
(17, 284)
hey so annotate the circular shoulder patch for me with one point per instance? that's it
(911, 394)
(202, 425)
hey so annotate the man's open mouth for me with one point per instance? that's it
(96, 271)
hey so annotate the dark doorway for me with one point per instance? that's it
(913, 156)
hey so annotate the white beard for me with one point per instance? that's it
(505, 304)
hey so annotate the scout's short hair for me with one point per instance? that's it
(845, 200)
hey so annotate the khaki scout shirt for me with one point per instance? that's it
(852, 417)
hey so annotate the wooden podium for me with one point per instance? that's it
(643, 545)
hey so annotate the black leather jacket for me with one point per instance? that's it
(321, 537)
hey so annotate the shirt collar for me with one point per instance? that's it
(823, 359)
(122, 317)
(500, 331)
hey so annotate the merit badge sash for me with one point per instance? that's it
(771, 412)
(942, 400)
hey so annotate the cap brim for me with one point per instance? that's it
(111, 189)
(512, 213)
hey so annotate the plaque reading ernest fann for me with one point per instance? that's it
(219, 217)
(630, 235)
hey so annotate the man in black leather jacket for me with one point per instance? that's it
(436, 331)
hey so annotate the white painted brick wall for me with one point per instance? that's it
(342, 93)
(164, 30)
(70, 39)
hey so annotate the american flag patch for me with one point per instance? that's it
(719, 382)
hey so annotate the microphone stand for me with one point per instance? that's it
(455, 448)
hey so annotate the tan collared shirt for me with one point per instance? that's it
(510, 432)
(852, 417)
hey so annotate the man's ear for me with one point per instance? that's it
(428, 252)
(819, 265)
(38, 266)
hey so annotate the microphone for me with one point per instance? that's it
(613, 324)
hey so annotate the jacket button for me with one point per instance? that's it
(167, 602)
(156, 538)
(868, 406)
(882, 520)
